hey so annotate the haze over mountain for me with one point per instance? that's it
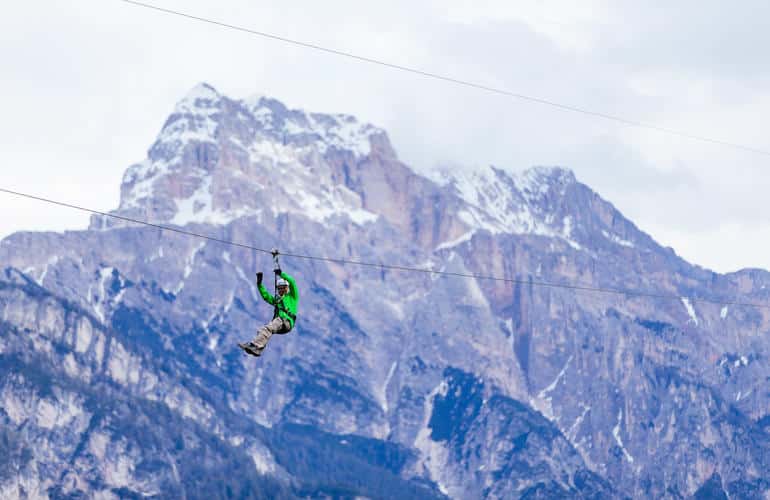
(121, 374)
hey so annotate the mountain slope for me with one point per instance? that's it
(439, 385)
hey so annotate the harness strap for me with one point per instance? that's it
(280, 307)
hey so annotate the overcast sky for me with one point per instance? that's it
(87, 85)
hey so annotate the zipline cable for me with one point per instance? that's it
(457, 81)
(531, 282)
(137, 221)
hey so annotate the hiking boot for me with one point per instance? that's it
(251, 348)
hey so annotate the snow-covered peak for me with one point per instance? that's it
(211, 143)
(252, 101)
(198, 115)
(480, 185)
(502, 202)
(202, 96)
(538, 181)
(340, 131)
(532, 201)
(195, 118)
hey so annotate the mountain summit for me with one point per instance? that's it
(121, 375)
(214, 157)
(217, 159)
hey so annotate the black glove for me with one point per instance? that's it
(278, 272)
(259, 278)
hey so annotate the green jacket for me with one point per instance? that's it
(286, 306)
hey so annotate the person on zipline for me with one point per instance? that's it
(284, 311)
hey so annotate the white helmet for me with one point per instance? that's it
(282, 282)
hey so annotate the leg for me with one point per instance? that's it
(286, 328)
(267, 331)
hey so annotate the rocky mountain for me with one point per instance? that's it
(121, 376)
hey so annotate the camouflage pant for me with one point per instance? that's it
(277, 325)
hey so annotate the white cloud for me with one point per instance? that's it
(89, 84)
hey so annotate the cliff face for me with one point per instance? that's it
(121, 374)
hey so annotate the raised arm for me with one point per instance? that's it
(263, 291)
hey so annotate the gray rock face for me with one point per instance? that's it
(121, 375)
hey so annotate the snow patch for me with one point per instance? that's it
(252, 288)
(199, 208)
(97, 300)
(742, 395)
(51, 262)
(396, 307)
(572, 433)
(617, 239)
(199, 126)
(229, 304)
(741, 361)
(457, 241)
(139, 181)
(263, 461)
(344, 132)
(120, 294)
(690, 310)
(433, 455)
(536, 182)
(188, 268)
(567, 228)
(555, 382)
(476, 294)
(273, 153)
(320, 206)
(618, 440)
(544, 403)
(723, 312)
(384, 391)
(360, 216)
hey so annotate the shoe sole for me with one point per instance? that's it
(249, 350)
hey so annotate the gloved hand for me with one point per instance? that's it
(278, 272)
(259, 278)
